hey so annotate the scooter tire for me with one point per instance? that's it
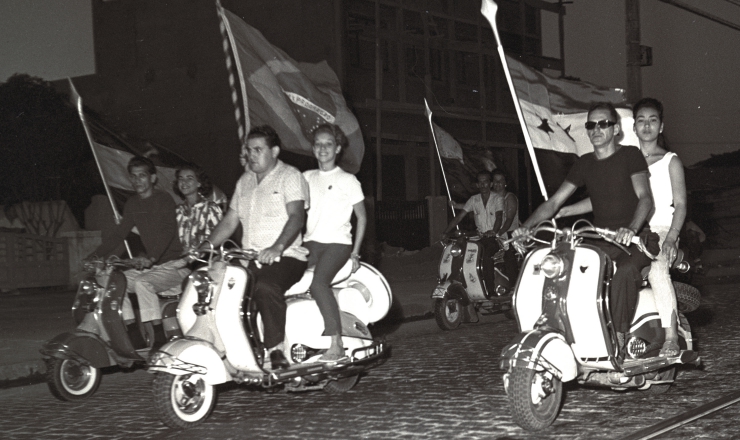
(183, 401)
(446, 317)
(70, 380)
(688, 297)
(342, 385)
(530, 415)
(668, 374)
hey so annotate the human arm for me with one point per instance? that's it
(678, 186)
(641, 185)
(511, 205)
(115, 237)
(225, 228)
(361, 214)
(582, 207)
(454, 222)
(293, 226)
(548, 209)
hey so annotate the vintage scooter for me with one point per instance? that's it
(465, 287)
(74, 359)
(223, 337)
(566, 330)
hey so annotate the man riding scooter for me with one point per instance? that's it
(152, 212)
(616, 178)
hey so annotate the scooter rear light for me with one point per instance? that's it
(300, 353)
(552, 266)
(636, 347)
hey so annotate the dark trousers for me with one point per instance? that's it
(626, 283)
(272, 281)
(328, 258)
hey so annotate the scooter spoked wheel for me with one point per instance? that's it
(341, 385)
(448, 313)
(70, 380)
(535, 398)
(183, 401)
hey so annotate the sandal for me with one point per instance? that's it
(670, 349)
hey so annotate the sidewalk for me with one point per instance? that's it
(30, 317)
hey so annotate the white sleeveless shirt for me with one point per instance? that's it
(660, 185)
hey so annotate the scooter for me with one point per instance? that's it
(566, 330)
(74, 359)
(223, 337)
(467, 286)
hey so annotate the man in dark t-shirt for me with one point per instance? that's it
(617, 181)
(152, 212)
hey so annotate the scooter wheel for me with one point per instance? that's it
(183, 401)
(70, 380)
(688, 297)
(535, 398)
(447, 313)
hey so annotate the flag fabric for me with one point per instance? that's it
(449, 148)
(555, 110)
(290, 96)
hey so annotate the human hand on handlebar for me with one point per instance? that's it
(518, 232)
(670, 249)
(624, 236)
(141, 263)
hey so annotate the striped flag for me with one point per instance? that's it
(291, 97)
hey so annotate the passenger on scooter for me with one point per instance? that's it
(510, 221)
(669, 196)
(152, 212)
(197, 216)
(270, 202)
(488, 209)
(616, 178)
(335, 194)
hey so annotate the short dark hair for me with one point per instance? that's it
(484, 173)
(141, 161)
(206, 187)
(648, 103)
(499, 172)
(339, 137)
(605, 106)
(267, 133)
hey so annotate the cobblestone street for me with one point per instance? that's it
(436, 385)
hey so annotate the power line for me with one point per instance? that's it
(706, 15)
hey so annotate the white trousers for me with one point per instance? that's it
(660, 281)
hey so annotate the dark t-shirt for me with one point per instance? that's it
(154, 217)
(609, 184)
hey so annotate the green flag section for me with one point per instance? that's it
(290, 96)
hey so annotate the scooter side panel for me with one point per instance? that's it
(78, 345)
(646, 309)
(528, 296)
(365, 294)
(188, 356)
(473, 283)
(445, 262)
(583, 306)
(227, 305)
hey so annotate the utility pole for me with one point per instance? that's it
(632, 32)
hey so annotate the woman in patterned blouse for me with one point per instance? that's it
(197, 216)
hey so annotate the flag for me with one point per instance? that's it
(291, 97)
(555, 110)
(449, 148)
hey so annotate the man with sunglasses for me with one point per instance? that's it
(617, 181)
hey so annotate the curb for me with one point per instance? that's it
(22, 373)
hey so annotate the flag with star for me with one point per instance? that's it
(292, 97)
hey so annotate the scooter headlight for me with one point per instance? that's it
(456, 251)
(552, 266)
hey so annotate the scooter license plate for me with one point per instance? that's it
(439, 292)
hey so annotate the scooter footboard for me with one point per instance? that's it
(541, 349)
(190, 356)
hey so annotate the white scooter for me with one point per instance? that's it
(223, 337)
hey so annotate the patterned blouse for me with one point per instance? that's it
(195, 224)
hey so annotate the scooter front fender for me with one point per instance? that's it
(541, 349)
(452, 290)
(190, 356)
(84, 347)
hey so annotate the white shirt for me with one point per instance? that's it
(333, 195)
(485, 215)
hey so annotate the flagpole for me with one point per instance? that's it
(488, 9)
(78, 103)
(428, 112)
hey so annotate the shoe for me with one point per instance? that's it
(670, 349)
(278, 361)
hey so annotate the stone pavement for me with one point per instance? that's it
(29, 317)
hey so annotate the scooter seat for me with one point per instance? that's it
(305, 282)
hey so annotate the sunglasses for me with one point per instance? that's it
(603, 124)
